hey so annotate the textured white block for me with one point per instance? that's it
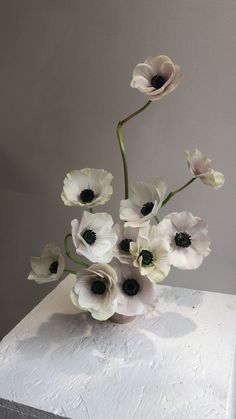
(175, 363)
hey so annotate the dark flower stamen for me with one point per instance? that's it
(157, 81)
(98, 287)
(87, 195)
(89, 236)
(53, 267)
(124, 245)
(147, 208)
(183, 239)
(147, 257)
(131, 287)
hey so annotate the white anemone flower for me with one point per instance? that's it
(144, 202)
(95, 291)
(201, 166)
(87, 187)
(49, 266)
(125, 235)
(156, 77)
(136, 294)
(94, 237)
(151, 253)
(188, 239)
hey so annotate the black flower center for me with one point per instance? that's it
(124, 245)
(53, 267)
(131, 287)
(87, 195)
(98, 287)
(157, 81)
(183, 239)
(147, 257)
(89, 236)
(147, 208)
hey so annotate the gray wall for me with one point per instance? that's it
(64, 80)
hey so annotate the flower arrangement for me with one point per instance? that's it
(120, 265)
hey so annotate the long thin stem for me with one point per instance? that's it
(171, 194)
(136, 112)
(79, 262)
(124, 159)
(70, 271)
(122, 146)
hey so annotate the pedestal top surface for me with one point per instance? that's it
(174, 363)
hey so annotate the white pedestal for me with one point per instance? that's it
(175, 363)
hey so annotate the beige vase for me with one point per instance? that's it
(120, 318)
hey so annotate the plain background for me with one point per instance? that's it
(65, 76)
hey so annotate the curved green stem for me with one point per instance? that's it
(70, 271)
(124, 159)
(135, 113)
(79, 262)
(171, 194)
(122, 146)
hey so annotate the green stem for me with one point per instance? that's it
(171, 194)
(124, 159)
(122, 146)
(70, 271)
(157, 220)
(79, 262)
(91, 210)
(135, 113)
